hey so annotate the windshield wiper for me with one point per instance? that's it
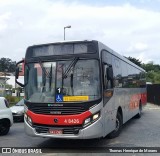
(46, 74)
(72, 64)
(43, 68)
(65, 74)
(50, 78)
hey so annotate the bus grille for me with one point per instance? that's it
(65, 110)
(66, 130)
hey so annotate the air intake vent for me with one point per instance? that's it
(57, 110)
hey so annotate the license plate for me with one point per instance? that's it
(55, 131)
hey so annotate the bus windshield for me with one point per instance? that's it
(73, 80)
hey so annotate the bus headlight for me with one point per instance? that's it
(96, 116)
(91, 119)
(87, 121)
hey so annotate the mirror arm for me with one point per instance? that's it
(22, 85)
(19, 62)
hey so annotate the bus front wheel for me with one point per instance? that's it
(118, 128)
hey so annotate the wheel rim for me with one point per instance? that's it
(117, 124)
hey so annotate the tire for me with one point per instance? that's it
(118, 128)
(4, 128)
(140, 111)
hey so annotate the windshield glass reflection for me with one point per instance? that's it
(62, 79)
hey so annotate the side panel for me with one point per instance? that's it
(128, 90)
(109, 115)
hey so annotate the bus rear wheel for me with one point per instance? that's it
(118, 128)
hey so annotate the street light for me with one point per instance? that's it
(69, 26)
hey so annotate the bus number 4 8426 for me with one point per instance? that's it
(75, 121)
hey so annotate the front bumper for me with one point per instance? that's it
(95, 130)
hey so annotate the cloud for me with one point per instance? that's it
(125, 28)
(3, 21)
(138, 47)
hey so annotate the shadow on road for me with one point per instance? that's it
(90, 143)
(61, 143)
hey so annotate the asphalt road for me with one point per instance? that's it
(143, 132)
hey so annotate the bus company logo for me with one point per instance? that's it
(55, 120)
(52, 105)
(55, 112)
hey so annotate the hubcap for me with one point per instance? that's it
(117, 125)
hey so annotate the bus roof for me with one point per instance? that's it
(63, 41)
(104, 47)
(101, 47)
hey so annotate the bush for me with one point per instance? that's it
(12, 99)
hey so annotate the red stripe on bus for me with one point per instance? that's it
(134, 101)
(62, 119)
(144, 98)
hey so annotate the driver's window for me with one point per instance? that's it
(107, 60)
(108, 84)
(105, 77)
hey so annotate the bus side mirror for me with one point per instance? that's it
(109, 71)
(17, 73)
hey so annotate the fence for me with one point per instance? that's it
(153, 94)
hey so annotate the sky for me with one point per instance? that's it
(129, 27)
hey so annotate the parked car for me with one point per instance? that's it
(18, 111)
(6, 118)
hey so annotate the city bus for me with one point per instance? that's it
(79, 90)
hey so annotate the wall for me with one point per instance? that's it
(153, 94)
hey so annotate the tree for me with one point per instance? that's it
(153, 70)
(6, 64)
(8, 86)
(135, 61)
(151, 67)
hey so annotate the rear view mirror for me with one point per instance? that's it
(17, 73)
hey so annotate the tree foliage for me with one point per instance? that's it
(135, 61)
(7, 65)
(152, 70)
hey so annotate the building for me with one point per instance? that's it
(10, 80)
(3, 81)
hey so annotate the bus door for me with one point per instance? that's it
(108, 100)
